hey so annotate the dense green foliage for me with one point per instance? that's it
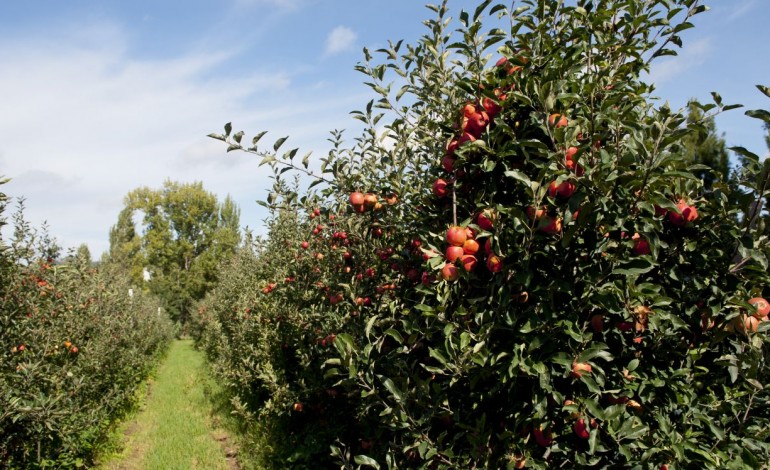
(73, 347)
(610, 329)
(186, 233)
(706, 148)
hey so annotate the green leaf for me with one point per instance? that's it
(391, 387)
(435, 354)
(594, 408)
(217, 136)
(764, 89)
(634, 267)
(518, 175)
(395, 335)
(745, 153)
(266, 160)
(762, 114)
(232, 147)
(366, 460)
(480, 9)
(595, 350)
(228, 129)
(306, 159)
(256, 138)
(279, 142)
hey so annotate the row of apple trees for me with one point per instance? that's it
(514, 265)
(74, 346)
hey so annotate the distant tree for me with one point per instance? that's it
(706, 148)
(126, 244)
(185, 233)
(767, 136)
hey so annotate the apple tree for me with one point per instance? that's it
(547, 284)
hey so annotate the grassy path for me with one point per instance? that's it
(175, 428)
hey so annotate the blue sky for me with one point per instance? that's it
(100, 97)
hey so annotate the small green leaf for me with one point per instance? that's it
(434, 353)
(391, 387)
(395, 335)
(256, 138)
(366, 460)
(759, 114)
(518, 175)
(745, 153)
(634, 266)
(279, 142)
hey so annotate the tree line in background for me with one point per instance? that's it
(183, 234)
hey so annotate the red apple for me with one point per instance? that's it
(563, 190)
(448, 162)
(543, 438)
(486, 219)
(453, 253)
(580, 428)
(491, 106)
(762, 306)
(580, 368)
(456, 235)
(356, 198)
(471, 247)
(370, 200)
(597, 322)
(468, 262)
(686, 214)
(641, 246)
(557, 120)
(449, 272)
(746, 323)
(440, 188)
(550, 225)
(494, 264)
(535, 214)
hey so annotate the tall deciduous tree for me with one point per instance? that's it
(185, 232)
(706, 148)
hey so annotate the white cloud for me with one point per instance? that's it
(339, 40)
(286, 4)
(83, 123)
(741, 9)
(690, 56)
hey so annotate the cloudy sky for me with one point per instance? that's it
(98, 97)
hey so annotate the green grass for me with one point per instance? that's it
(176, 428)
